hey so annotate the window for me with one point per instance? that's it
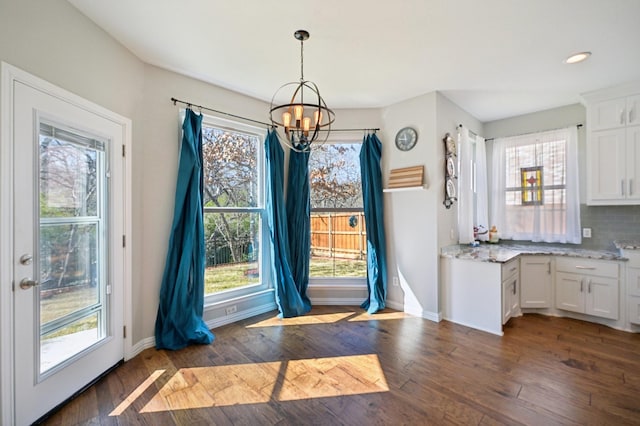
(338, 231)
(535, 187)
(233, 206)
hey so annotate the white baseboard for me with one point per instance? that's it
(240, 315)
(143, 344)
(336, 301)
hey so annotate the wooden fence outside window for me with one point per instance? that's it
(340, 235)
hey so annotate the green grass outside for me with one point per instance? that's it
(216, 279)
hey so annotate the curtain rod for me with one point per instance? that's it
(540, 131)
(189, 104)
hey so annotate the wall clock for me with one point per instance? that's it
(406, 138)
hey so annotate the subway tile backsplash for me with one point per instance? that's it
(609, 223)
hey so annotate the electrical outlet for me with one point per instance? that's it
(231, 309)
(396, 282)
(586, 232)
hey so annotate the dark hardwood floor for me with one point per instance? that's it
(340, 366)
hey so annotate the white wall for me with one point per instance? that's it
(411, 217)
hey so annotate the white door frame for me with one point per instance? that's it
(9, 75)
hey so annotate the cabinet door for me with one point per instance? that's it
(507, 298)
(633, 110)
(633, 309)
(633, 281)
(633, 163)
(570, 292)
(602, 297)
(608, 114)
(606, 166)
(535, 282)
(515, 296)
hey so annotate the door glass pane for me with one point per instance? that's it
(72, 246)
(68, 259)
(65, 342)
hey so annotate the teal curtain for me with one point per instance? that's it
(179, 321)
(372, 198)
(288, 298)
(299, 222)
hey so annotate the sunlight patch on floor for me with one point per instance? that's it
(227, 385)
(303, 320)
(379, 316)
(136, 393)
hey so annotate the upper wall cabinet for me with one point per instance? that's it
(613, 146)
(614, 113)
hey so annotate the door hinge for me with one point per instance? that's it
(124, 331)
(124, 241)
(123, 150)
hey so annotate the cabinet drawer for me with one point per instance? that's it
(599, 268)
(510, 269)
(633, 309)
(633, 281)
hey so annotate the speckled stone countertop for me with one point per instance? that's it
(498, 253)
(627, 244)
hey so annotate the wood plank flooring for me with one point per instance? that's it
(339, 366)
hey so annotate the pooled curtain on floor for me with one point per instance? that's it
(179, 321)
(291, 295)
(372, 198)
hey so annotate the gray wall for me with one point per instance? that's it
(608, 223)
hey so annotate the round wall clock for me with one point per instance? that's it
(406, 138)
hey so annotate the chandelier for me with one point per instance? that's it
(306, 115)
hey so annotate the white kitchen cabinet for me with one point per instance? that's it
(510, 290)
(633, 285)
(614, 113)
(536, 282)
(478, 294)
(613, 149)
(588, 286)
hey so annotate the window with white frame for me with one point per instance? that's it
(338, 229)
(535, 187)
(234, 213)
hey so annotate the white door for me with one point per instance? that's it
(68, 255)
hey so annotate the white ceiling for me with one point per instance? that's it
(494, 58)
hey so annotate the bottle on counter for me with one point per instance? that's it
(493, 235)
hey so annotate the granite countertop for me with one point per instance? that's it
(498, 253)
(627, 244)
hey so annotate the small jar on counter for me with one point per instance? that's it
(493, 235)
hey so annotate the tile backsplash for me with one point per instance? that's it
(609, 223)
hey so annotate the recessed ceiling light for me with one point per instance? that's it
(577, 57)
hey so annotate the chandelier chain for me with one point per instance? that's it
(301, 60)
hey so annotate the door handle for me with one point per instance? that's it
(27, 283)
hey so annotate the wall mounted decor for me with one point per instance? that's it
(450, 173)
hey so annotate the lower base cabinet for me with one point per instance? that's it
(633, 309)
(588, 287)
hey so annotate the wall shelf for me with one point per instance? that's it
(406, 188)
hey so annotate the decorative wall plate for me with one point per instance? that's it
(451, 189)
(450, 143)
(451, 167)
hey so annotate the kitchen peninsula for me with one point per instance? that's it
(484, 286)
